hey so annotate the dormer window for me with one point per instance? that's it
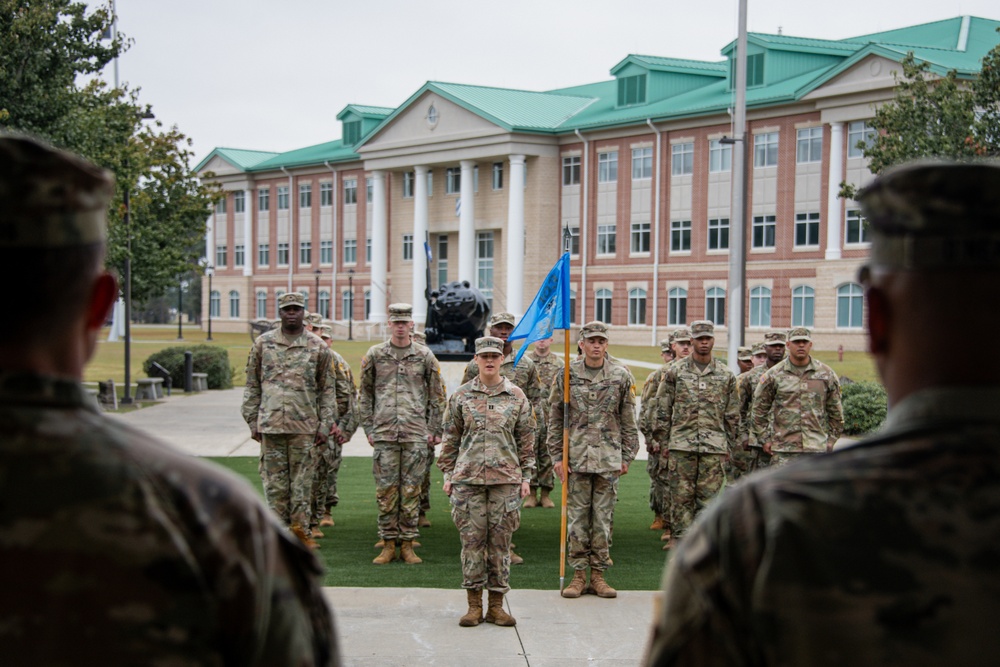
(352, 132)
(632, 90)
(755, 70)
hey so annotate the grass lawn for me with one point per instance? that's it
(347, 550)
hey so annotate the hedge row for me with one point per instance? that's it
(206, 359)
(864, 407)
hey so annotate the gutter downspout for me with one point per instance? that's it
(656, 231)
(583, 232)
(291, 229)
(333, 253)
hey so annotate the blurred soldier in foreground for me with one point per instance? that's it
(884, 552)
(548, 366)
(117, 549)
(488, 458)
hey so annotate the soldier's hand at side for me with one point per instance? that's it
(560, 473)
(447, 488)
(433, 440)
(653, 449)
(767, 447)
(336, 433)
(525, 489)
(624, 468)
(255, 435)
(320, 439)
(371, 441)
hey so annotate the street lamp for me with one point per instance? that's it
(316, 292)
(180, 309)
(350, 308)
(210, 270)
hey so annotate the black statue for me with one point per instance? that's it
(457, 314)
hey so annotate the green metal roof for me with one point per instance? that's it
(239, 158)
(365, 111)
(800, 44)
(330, 151)
(659, 64)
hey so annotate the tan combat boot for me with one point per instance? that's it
(576, 586)
(495, 613)
(423, 521)
(530, 500)
(327, 520)
(599, 587)
(406, 553)
(304, 536)
(317, 533)
(545, 501)
(474, 616)
(658, 524)
(388, 553)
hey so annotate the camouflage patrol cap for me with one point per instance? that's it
(326, 331)
(291, 299)
(774, 338)
(682, 335)
(934, 215)
(593, 329)
(702, 329)
(503, 318)
(799, 333)
(489, 344)
(744, 354)
(315, 319)
(758, 349)
(418, 336)
(50, 198)
(665, 345)
(400, 312)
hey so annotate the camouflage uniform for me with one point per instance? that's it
(659, 496)
(799, 408)
(486, 453)
(603, 437)
(325, 494)
(399, 404)
(425, 486)
(290, 399)
(744, 455)
(697, 414)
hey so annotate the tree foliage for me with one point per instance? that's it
(51, 50)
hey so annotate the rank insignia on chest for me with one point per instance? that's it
(491, 407)
(702, 385)
(593, 396)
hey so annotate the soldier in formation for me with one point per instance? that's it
(759, 355)
(774, 351)
(657, 495)
(488, 460)
(548, 366)
(742, 458)
(419, 338)
(744, 358)
(117, 549)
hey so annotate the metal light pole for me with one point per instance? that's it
(180, 310)
(210, 269)
(350, 308)
(127, 396)
(318, 274)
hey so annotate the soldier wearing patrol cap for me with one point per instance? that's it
(744, 357)
(774, 351)
(742, 459)
(117, 549)
(880, 552)
(603, 441)
(759, 355)
(661, 517)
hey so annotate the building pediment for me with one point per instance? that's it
(869, 74)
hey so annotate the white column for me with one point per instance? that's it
(210, 240)
(419, 235)
(515, 237)
(248, 245)
(467, 226)
(380, 245)
(834, 227)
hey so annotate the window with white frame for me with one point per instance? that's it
(305, 195)
(809, 145)
(720, 156)
(642, 164)
(220, 206)
(860, 135)
(765, 149)
(680, 236)
(572, 305)
(498, 176)
(220, 256)
(326, 252)
(602, 305)
(607, 167)
(234, 303)
(283, 254)
(442, 259)
(453, 181)
(407, 247)
(571, 170)
(677, 305)
(369, 190)
(264, 199)
(347, 305)
(408, 179)
(484, 265)
(639, 237)
(764, 228)
(682, 159)
(856, 230)
(760, 307)
(571, 243)
(305, 297)
(806, 229)
(215, 304)
(606, 239)
(305, 252)
(715, 306)
(261, 304)
(368, 250)
(803, 306)
(326, 194)
(350, 251)
(368, 304)
(637, 306)
(277, 299)
(239, 255)
(282, 197)
(323, 304)
(718, 233)
(350, 191)
(263, 254)
(850, 306)
(239, 202)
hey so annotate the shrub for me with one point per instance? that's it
(206, 359)
(864, 407)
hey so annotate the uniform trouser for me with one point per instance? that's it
(779, 459)
(398, 468)
(740, 463)
(760, 459)
(486, 516)
(425, 486)
(590, 509)
(324, 488)
(661, 482)
(695, 478)
(287, 473)
(544, 474)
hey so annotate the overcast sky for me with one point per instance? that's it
(271, 75)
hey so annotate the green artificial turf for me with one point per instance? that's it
(348, 548)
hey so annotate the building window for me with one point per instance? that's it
(860, 136)
(607, 167)
(642, 164)
(239, 202)
(306, 195)
(605, 239)
(282, 197)
(220, 206)
(572, 305)
(283, 254)
(442, 265)
(755, 70)
(720, 156)
(632, 90)
(326, 194)
(220, 256)
(602, 305)
(430, 183)
(475, 178)
(682, 159)
(760, 307)
(677, 306)
(407, 246)
(277, 298)
(234, 304)
(215, 304)
(484, 265)
(347, 305)
(765, 149)
(637, 306)
(305, 297)
(640, 237)
(264, 199)
(369, 190)
(350, 251)
(352, 132)
(680, 236)
(718, 234)
(261, 304)
(305, 252)
(809, 145)
(239, 255)
(326, 252)
(571, 243)
(368, 250)
(350, 191)
(453, 181)
(803, 306)
(408, 184)
(368, 304)
(323, 304)
(857, 230)
(715, 306)
(806, 229)
(263, 254)
(763, 231)
(571, 170)
(850, 300)
(498, 175)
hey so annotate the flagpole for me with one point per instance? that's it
(565, 461)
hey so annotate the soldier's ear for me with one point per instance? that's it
(879, 321)
(102, 296)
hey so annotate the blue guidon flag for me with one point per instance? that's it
(548, 311)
